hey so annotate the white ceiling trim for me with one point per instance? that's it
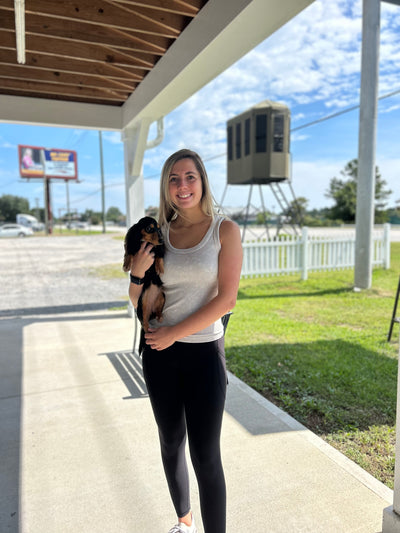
(46, 112)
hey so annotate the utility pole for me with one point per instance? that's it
(103, 214)
(68, 208)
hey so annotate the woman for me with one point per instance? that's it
(184, 361)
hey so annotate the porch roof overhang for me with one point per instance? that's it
(110, 63)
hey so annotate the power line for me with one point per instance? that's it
(347, 110)
(3, 185)
(83, 198)
(302, 126)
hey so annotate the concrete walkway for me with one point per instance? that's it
(79, 447)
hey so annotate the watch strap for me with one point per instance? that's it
(136, 280)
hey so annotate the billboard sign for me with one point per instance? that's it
(60, 164)
(38, 162)
(30, 162)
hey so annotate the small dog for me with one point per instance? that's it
(151, 301)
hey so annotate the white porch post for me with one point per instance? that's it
(367, 143)
(391, 515)
(135, 140)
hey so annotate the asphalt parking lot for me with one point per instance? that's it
(57, 274)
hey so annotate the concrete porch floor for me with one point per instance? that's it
(80, 453)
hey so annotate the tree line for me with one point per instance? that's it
(343, 192)
(11, 205)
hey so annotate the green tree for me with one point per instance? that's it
(11, 205)
(113, 214)
(264, 216)
(344, 193)
(297, 210)
(92, 217)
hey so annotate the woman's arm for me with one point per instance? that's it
(140, 263)
(229, 268)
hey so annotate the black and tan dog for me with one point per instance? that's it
(152, 299)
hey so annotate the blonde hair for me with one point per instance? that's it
(168, 210)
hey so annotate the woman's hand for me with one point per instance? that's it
(160, 338)
(142, 260)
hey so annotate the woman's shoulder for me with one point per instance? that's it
(228, 229)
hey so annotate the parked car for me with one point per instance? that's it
(15, 230)
(77, 224)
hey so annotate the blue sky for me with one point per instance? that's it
(312, 64)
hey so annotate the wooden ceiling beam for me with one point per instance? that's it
(75, 66)
(89, 52)
(181, 7)
(110, 15)
(86, 33)
(62, 98)
(20, 72)
(62, 90)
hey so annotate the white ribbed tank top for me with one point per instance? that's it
(190, 281)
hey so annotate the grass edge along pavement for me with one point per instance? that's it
(319, 350)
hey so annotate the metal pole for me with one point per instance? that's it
(103, 213)
(46, 195)
(247, 212)
(68, 211)
(367, 144)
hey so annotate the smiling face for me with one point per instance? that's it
(171, 204)
(185, 184)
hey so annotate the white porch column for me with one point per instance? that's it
(135, 140)
(391, 515)
(367, 143)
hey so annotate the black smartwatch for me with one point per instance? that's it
(136, 280)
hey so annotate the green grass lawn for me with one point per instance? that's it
(319, 350)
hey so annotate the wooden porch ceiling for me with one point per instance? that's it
(88, 51)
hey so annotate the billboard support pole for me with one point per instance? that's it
(68, 210)
(48, 207)
(46, 195)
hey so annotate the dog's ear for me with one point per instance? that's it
(126, 265)
(133, 239)
(132, 243)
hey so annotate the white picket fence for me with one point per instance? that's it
(304, 254)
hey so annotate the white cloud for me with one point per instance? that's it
(113, 137)
(7, 144)
(391, 108)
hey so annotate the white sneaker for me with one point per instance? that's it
(183, 528)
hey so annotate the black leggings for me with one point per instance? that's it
(187, 387)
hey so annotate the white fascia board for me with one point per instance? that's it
(221, 33)
(47, 112)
